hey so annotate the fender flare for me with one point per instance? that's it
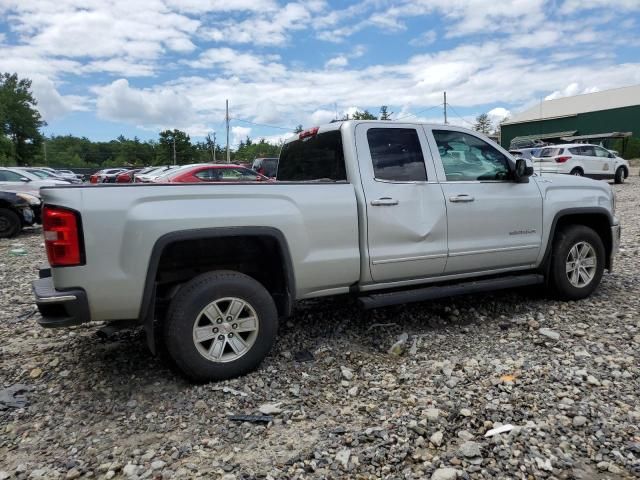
(554, 224)
(147, 310)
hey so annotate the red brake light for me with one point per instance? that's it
(61, 236)
(562, 159)
(312, 132)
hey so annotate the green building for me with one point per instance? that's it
(610, 118)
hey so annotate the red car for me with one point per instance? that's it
(222, 173)
(127, 177)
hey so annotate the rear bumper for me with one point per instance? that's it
(59, 308)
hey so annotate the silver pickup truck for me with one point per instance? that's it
(387, 212)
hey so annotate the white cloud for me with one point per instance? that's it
(498, 114)
(159, 107)
(239, 134)
(571, 6)
(339, 61)
(571, 89)
(424, 39)
(270, 28)
(51, 103)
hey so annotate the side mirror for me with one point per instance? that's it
(523, 171)
(25, 179)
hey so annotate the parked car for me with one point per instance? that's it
(107, 175)
(47, 175)
(219, 173)
(66, 174)
(127, 176)
(580, 159)
(361, 208)
(16, 179)
(265, 166)
(17, 210)
(151, 175)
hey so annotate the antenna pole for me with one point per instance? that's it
(445, 108)
(227, 120)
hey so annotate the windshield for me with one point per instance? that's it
(318, 158)
(41, 173)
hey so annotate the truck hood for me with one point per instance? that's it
(576, 191)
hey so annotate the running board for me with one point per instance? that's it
(430, 293)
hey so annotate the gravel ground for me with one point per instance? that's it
(342, 405)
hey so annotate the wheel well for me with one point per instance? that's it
(596, 221)
(577, 168)
(259, 256)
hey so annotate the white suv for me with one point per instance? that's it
(583, 160)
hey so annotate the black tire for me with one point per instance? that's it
(10, 224)
(184, 314)
(563, 242)
(619, 178)
(577, 172)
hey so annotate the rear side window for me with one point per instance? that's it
(396, 154)
(318, 158)
(576, 150)
(551, 152)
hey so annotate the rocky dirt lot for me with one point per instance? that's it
(565, 376)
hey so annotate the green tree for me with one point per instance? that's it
(20, 120)
(384, 113)
(483, 124)
(365, 115)
(183, 149)
(298, 128)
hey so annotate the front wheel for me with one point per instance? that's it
(577, 172)
(619, 178)
(577, 262)
(220, 325)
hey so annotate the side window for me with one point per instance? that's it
(396, 154)
(465, 157)
(9, 176)
(601, 152)
(588, 150)
(205, 175)
(575, 150)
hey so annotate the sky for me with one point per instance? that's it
(102, 68)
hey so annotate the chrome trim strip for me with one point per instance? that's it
(494, 250)
(61, 298)
(409, 259)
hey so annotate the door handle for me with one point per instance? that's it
(461, 198)
(384, 202)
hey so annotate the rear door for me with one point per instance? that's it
(493, 222)
(406, 214)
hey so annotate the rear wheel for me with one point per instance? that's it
(577, 172)
(220, 325)
(10, 224)
(619, 178)
(577, 262)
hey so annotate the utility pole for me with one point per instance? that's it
(174, 148)
(213, 148)
(445, 108)
(227, 120)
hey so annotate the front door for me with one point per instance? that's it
(406, 214)
(493, 222)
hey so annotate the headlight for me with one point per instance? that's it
(30, 199)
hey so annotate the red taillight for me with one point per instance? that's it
(312, 132)
(562, 159)
(61, 236)
(93, 179)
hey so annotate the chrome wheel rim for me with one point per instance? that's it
(225, 330)
(581, 264)
(577, 173)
